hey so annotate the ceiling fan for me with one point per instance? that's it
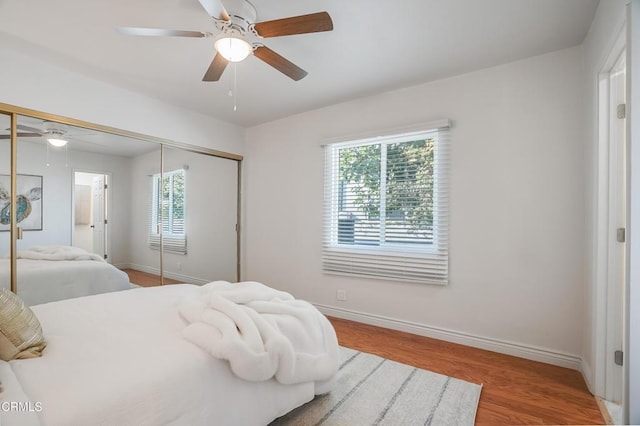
(56, 134)
(240, 35)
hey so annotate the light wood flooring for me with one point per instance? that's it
(145, 279)
(515, 391)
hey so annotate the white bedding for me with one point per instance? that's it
(42, 281)
(120, 359)
(58, 253)
(263, 332)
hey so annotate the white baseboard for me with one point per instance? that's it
(585, 369)
(156, 271)
(509, 348)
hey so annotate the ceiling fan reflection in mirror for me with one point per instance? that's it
(239, 35)
(54, 133)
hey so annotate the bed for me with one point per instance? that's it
(121, 359)
(52, 273)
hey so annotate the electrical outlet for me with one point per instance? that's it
(341, 295)
(179, 266)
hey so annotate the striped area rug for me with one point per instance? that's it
(375, 391)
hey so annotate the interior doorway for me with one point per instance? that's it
(90, 212)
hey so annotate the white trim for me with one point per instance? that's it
(600, 294)
(156, 271)
(616, 250)
(443, 123)
(495, 345)
(586, 371)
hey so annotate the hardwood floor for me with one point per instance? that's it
(515, 391)
(145, 279)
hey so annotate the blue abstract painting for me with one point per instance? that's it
(28, 202)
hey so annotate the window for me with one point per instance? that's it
(386, 207)
(168, 212)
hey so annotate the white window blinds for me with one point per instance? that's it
(386, 207)
(167, 212)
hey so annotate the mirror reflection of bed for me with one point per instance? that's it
(109, 196)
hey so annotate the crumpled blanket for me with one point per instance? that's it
(57, 253)
(263, 333)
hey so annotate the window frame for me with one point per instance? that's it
(338, 257)
(169, 241)
(155, 201)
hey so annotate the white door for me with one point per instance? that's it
(617, 229)
(99, 216)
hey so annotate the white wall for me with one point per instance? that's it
(30, 83)
(517, 264)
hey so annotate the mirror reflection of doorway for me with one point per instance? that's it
(90, 223)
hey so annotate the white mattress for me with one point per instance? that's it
(43, 281)
(119, 359)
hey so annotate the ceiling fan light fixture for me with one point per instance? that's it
(233, 48)
(57, 142)
(54, 133)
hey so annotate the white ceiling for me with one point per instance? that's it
(376, 46)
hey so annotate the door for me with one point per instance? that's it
(617, 231)
(90, 209)
(99, 219)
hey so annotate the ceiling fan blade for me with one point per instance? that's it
(136, 31)
(215, 9)
(22, 135)
(280, 63)
(216, 68)
(313, 23)
(28, 129)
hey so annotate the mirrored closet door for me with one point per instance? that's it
(77, 201)
(200, 198)
(152, 212)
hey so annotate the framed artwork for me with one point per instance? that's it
(29, 200)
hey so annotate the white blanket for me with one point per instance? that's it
(263, 333)
(119, 359)
(57, 253)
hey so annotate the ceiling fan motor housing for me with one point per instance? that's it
(51, 128)
(241, 14)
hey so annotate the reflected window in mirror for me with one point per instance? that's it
(168, 211)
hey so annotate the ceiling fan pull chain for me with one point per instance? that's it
(47, 144)
(66, 155)
(235, 86)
